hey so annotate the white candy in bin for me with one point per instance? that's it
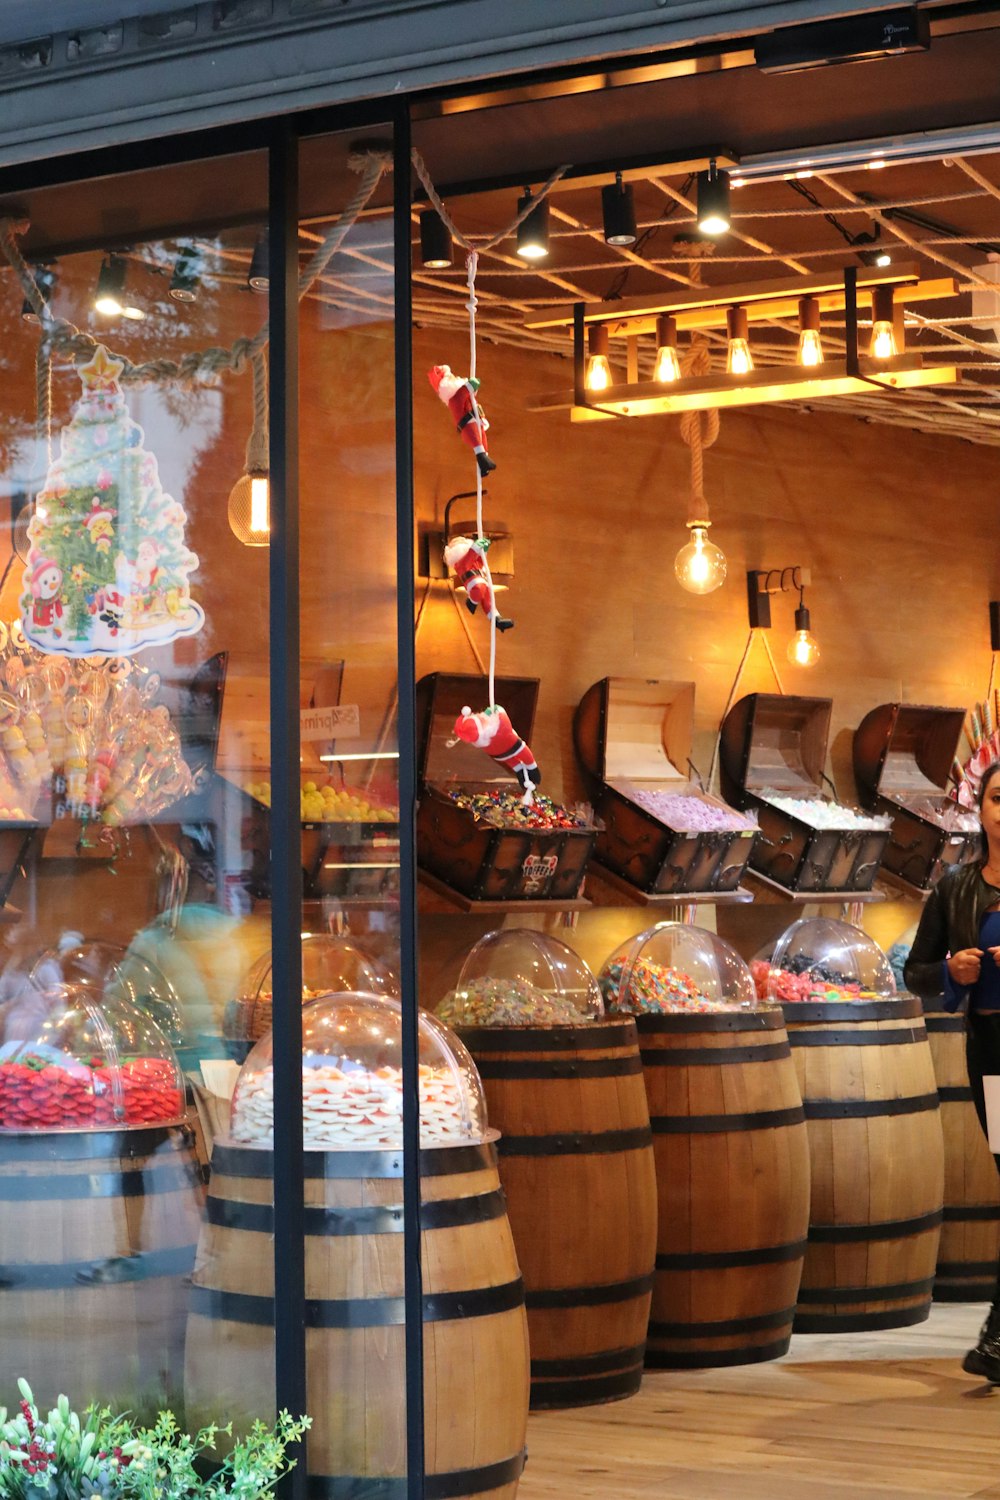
(352, 1081)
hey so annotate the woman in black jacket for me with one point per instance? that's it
(956, 953)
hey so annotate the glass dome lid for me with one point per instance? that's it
(820, 959)
(118, 974)
(676, 969)
(74, 1058)
(352, 1081)
(518, 977)
(330, 966)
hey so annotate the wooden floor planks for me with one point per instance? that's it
(884, 1416)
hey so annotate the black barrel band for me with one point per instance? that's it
(702, 1057)
(723, 1327)
(763, 1119)
(904, 1036)
(973, 1213)
(89, 1145)
(937, 1022)
(442, 1161)
(886, 1229)
(899, 1317)
(581, 1067)
(954, 1093)
(361, 1312)
(867, 1109)
(708, 1359)
(965, 1291)
(609, 1361)
(851, 1295)
(967, 1268)
(589, 1037)
(909, 1009)
(589, 1296)
(444, 1213)
(598, 1144)
(112, 1271)
(763, 1019)
(446, 1486)
(719, 1260)
(587, 1392)
(134, 1183)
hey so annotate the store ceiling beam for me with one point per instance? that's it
(596, 173)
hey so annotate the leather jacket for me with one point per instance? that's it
(951, 920)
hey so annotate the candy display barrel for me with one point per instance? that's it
(97, 1241)
(475, 1336)
(877, 1162)
(576, 1163)
(732, 1173)
(970, 1233)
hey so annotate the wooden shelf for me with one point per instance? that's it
(895, 886)
(598, 875)
(768, 892)
(437, 896)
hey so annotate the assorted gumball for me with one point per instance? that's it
(505, 809)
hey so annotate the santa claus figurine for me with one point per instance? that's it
(467, 560)
(460, 398)
(493, 732)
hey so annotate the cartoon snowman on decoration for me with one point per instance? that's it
(45, 582)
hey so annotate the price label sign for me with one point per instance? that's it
(340, 723)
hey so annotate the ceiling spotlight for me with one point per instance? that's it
(184, 282)
(435, 241)
(869, 251)
(259, 275)
(45, 280)
(109, 297)
(713, 200)
(619, 213)
(533, 232)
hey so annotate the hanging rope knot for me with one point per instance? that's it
(374, 154)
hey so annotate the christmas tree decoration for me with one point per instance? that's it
(467, 560)
(493, 732)
(459, 395)
(107, 572)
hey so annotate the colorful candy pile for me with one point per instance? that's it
(353, 1107)
(946, 814)
(507, 1002)
(37, 1094)
(691, 814)
(811, 985)
(819, 813)
(505, 809)
(655, 989)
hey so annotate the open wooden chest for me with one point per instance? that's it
(774, 746)
(632, 736)
(481, 862)
(903, 754)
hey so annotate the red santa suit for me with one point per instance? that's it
(460, 398)
(467, 560)
(493, 732)
(45, 582)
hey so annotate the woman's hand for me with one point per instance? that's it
(963, 966)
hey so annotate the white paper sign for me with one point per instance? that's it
(991, 1090)
(340, 723)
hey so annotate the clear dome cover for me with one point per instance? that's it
(75, 1058)
(330, 966)
(118, 974)
(674, 968)
(352, 1081)
(518, 977)
(820, 959)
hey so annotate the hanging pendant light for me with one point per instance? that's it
(803, 648)
(598, 376)
(883, 323)
(668, 366)
(739, 360)
(618, 211)
(700, 566)
(249, 507)
(810, 345)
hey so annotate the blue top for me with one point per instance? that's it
(984, 995)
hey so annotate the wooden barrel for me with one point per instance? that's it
(732, 1174)
(970, 1234)
(475, 1334)
(877, 1160)
(576, 1163)
(98, 1231)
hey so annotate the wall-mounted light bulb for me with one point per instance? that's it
(810, 346)
(598, 376)
(803, 648)
(668, 366)
(739, 360)
(700, 566)
(883, 323)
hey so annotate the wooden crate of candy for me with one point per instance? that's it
(350, 839)
(660, 832)
(903, 755)
(772, 757)
(474, 834)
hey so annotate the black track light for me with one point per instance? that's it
(184, 282)
(435, 241)
(45, 280)
(259, 275)
(109, 299)
(713, 201)
(533, 232)
(870, 252)
(619, 213)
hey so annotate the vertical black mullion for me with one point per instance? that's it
(286, 863)
(406, 664)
